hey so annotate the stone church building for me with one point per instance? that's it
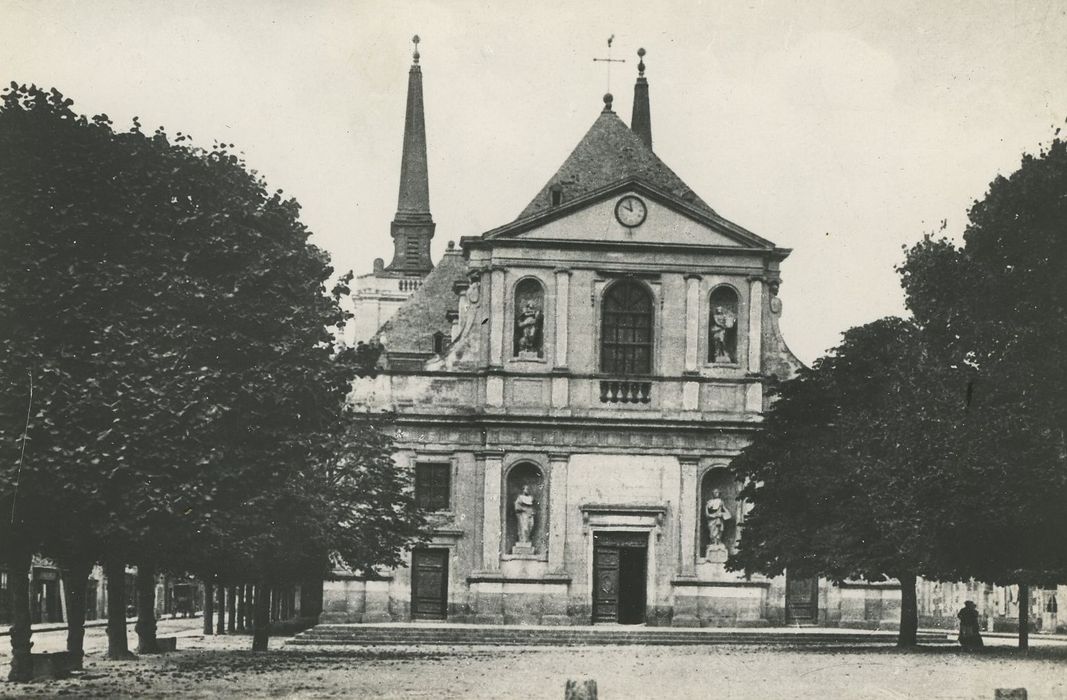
(570, 389)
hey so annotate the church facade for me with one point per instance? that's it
(570, 389)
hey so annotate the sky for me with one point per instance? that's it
(842, 130)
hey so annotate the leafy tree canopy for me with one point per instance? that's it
(996, 308)
(176, 324)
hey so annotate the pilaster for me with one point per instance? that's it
(491, 487)
(557, 515)
(688, 517)
(496, 316)
(562, 312)
(755, 324)
(692, 321)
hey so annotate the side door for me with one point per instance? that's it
(429, 584)
(801, 600)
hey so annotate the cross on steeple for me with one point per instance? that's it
(609, 60)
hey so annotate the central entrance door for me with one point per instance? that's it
(429, 584)
(620, 572)
(801, 600)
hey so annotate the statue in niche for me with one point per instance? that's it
(723, 321)
(717, 514)
(525, 508)
(528, 324)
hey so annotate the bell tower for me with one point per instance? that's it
(413, 226)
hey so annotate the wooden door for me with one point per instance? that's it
(605, 583)
(801, 600)
(429, 584)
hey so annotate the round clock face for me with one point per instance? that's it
(630, 211)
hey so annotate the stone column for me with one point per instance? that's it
(557, 511)
(562, 310)
(496, 315)
(755, 324)
(692, 322)
(491, 518)
(689, 523)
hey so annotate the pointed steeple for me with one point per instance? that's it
(641, 122)
(413, 227)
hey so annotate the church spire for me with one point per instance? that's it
(413, 227)
(641, 122)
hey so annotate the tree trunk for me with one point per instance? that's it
(220, 628)
(75, 581)
(241, 612)
(118, 646)
(18, 573)
(261, 621)
(250, 597)
(231, 609)
(1024, 615)
(209, 605)
(909, 612)
(146, 609)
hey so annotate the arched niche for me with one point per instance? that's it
(529, 336)
(721, 480)
(723, 321)
(526, 497)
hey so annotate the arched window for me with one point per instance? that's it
(526, 529)
(722, 326)
(719, 511)
(529, 319)
(626, 329)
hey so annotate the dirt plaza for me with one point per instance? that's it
(218, 666)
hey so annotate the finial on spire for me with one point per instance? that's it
(607, 102)
(641, 122)
(415, 56)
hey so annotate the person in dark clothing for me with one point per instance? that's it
(970, 636)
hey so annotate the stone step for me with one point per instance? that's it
(366, 635)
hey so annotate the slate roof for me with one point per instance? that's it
(411, 329)
(610, 152)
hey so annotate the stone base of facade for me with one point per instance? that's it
(489, 598)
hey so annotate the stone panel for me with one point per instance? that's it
(527, 392)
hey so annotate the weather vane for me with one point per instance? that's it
(609, 60)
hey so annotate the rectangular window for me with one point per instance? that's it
(433, 486)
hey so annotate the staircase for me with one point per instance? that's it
(403, 634)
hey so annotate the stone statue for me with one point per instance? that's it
(524, 514)
(717, 514)
(529, 324)
(723, 320)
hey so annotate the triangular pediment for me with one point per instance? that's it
(667, 221)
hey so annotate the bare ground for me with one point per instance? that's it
(222, 666)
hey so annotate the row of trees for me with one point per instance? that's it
(936, 445)
(172, 393)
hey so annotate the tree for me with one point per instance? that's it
(177, 324)
(997, 306)
(850, 465)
